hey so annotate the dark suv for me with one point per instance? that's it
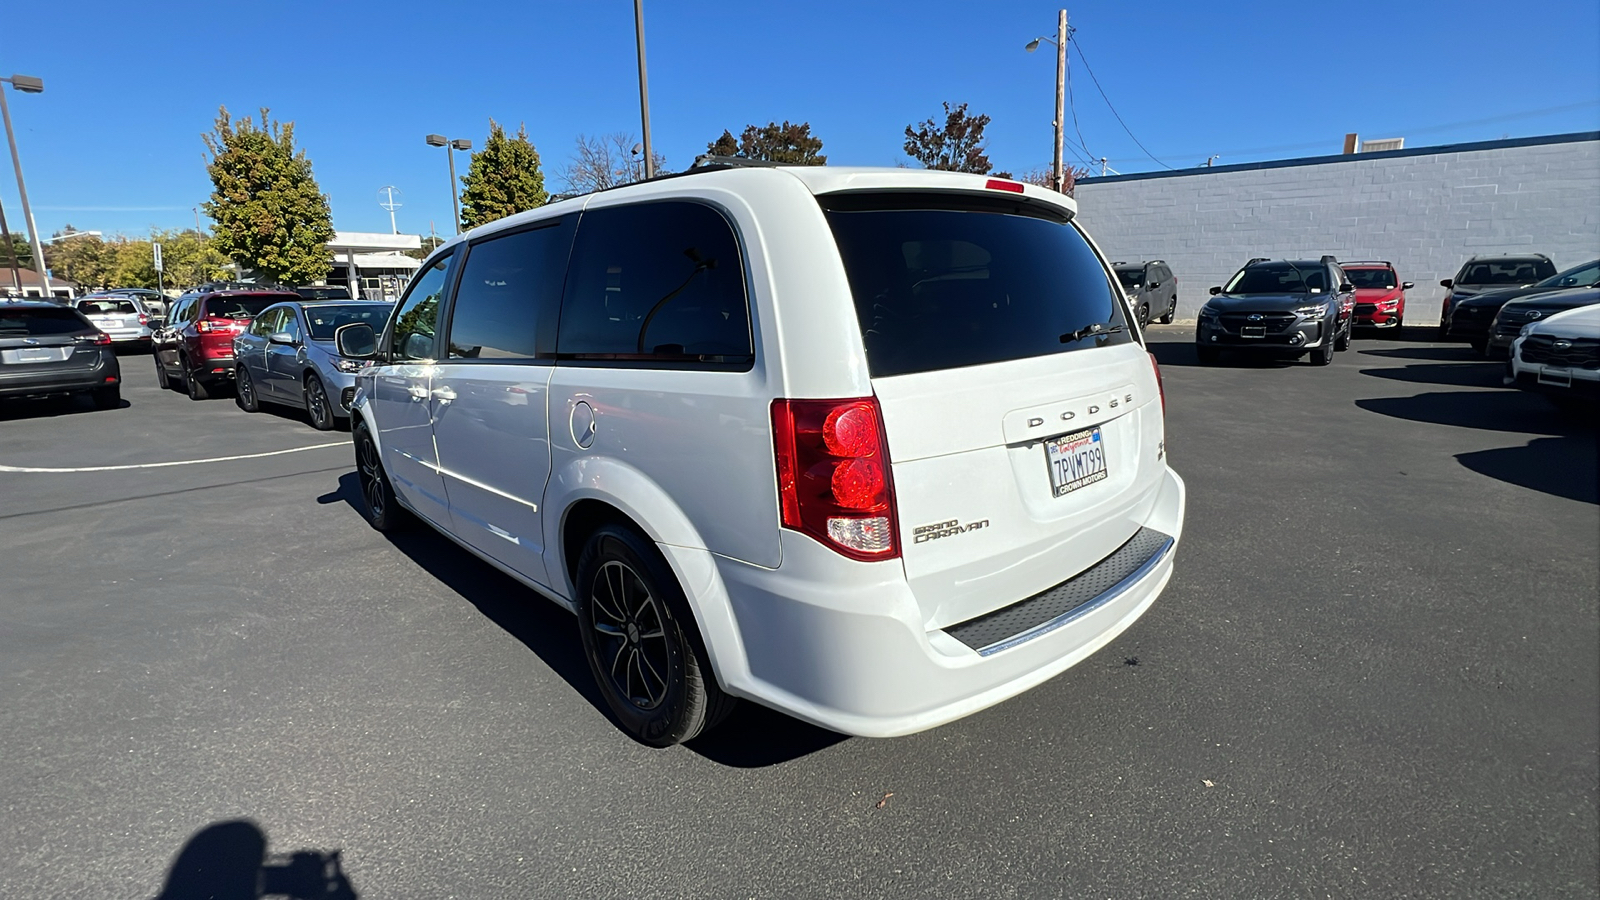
(1471, 319)
(1492, 273)
(1151, 287)
(47, 348)
(194, 347)
(1282, 307)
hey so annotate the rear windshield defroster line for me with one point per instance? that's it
(944, 281)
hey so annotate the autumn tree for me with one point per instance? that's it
(956, 145)
(606, 161)
(504, 178)
(790, 144)
(1043, 177)
(270, 215)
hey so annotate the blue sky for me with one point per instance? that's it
(114, 142)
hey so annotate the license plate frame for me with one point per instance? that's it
(1075, 461)
(26, 356)
(1555, 377)
(1253, 331)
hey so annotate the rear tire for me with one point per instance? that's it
(161, 376)
(1208, 356)
(384, 512)
(641, 641)
(244, 392)
(318, 406)
(109, 397)
(1171, 311)
(193, 386)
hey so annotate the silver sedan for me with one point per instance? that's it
(287, 357)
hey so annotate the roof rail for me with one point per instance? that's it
(1258, 259)
(705, 160)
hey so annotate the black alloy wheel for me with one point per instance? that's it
(1171, 312)
(317, 405)
(1144, 315)
(1323, 355)
(641, 641)
(244, 392)
(384, 512)
(1343, 341)
(161, 374)
(192, 385)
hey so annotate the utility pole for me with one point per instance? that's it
(196, 211)
(644, 89)
(11, 251)
(31, 86)
(1060, 177)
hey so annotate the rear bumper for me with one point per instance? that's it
(843, 645)
(17, 384)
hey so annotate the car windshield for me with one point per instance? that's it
(325, 320)
(240, 307)
(36, 321)
(99, 307)
(941, 282)
(1577, 276)
(1130, 277)
(1277, 278)
(1371, 278)
(1505, 271)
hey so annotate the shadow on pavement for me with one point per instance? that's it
(1470, 374)
(1562, 466)
(1453, 353)
(229, 861)
(1181, 353)
(16, 408)
(1506, 410)
(753, 736)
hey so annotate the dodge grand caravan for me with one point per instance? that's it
(876, 448)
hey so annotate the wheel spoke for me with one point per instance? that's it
(647, 665)
(610, 631)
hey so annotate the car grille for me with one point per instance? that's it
(1274, 322)
(1366, 309)
(1579, 353)
(1510, 321)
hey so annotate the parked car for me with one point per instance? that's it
(1279, 307)
(47, 348)
(877, 448)
(1152, 289)
(1472, 317)
(1559, 356)
(194, 348)
(120, 317)
(287, 357)
(153, 301)
(1380, 294)
(1492, 273)
(1511, 318)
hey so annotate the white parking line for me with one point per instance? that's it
(161, 465)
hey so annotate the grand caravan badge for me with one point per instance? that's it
(924, 533)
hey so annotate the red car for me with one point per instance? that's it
(1380, 294)
(194, 346)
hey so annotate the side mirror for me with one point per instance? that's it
(1216, 290)
(1346, 288)
(356, 340)
(1407, 285)
(1447, 283)
(281, 337)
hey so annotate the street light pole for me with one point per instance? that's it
(439, 140)
(644, 89)
(27, 85)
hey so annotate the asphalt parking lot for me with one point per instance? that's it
(1376, 672)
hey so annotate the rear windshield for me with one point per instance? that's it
(325, 320)
(241, 307)
(941, 282)
(1506, 271)
(1278, 278)
(1371, 278)
(107, 307)
(40, 321)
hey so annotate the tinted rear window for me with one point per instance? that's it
(108, 307)
(941, 283)
(325, 320)
(40, 321)
(1371, 278)
(243, 307)
(1506, 271)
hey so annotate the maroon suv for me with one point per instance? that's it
(194, 347)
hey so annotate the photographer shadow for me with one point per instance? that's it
(229, 861)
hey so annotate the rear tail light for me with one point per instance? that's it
(144, 319)
(1161, 386)
(833, 475)
(208, 326)
(99, 339)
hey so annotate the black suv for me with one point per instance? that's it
(1492, 273)
(47, 348)
(1152, 287)
(1281, 307)
(1471, 318)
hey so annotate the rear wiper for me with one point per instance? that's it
(1096, 329)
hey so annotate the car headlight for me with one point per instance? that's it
(1388, 305)
(1208, 312)
(349, 365)
(1314, 310)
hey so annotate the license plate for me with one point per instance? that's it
(23, 355)
(1259, 331)
(1555, 377)
(1075, 460)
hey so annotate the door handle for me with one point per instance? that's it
(418, 393)
(444, 394)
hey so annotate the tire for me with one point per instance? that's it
(383, 511)
(1144, 315)
(1208, 356)
(318, 406)
(1343, 341)
(641, 643)
(109, 397)
(1323, 355)
(194, 387)
(161, 376)
(1171, 311)
(244, 392)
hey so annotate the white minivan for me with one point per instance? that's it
(877, 448)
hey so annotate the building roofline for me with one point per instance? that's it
(1538, 140)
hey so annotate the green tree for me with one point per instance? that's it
(954, 146)
(790, 144)
(504, 178)
(270, 214)
(87, 260)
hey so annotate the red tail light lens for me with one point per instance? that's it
(1161, 386)
(833, 475)
(204, 326)
(144, 319)
(102, 339)
(995, 184)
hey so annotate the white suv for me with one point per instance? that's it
(876, 448)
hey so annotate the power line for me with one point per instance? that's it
(1113, 109)
(1072, 103)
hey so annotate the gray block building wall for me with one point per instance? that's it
(1424, 209)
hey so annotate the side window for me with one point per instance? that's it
(658, 283)
(288, 321)
(417, 317)
(265, 324)
(509, 297)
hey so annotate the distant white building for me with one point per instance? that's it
(373, 264)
